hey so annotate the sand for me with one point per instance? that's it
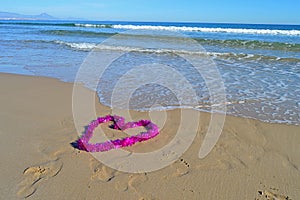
(251, 160)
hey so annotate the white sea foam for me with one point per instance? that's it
(92, 25)
(94, 46)
(197, 29)
(226, 55)
(79, 46)
(216, 30)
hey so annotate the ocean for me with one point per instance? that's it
(259, 64)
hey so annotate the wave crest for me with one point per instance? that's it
(214, 55)
(214, 30)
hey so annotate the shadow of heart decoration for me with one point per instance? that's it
(153, 72)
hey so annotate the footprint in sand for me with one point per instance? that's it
(137, 180)
(126, 181)
(122, 181)
(182, 167)
(121, 186)
(101, 172)
(271, 195)
(268, 195)
(147, 198)
(36, 174)
(68, 122)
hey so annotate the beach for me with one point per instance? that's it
(251, 160)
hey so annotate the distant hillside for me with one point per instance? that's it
(42, 16)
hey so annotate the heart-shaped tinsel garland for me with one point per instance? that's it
(119, 124)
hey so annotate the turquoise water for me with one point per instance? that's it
(259, 64)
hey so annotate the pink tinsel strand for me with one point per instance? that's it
(119, 124)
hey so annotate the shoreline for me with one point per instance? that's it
(158, 110)
(39, 162)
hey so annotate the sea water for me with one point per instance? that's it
(258, 64)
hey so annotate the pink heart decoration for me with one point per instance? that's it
(119, 124)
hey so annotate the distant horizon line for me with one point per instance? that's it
(147, 21)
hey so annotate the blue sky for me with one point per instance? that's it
(236, 11)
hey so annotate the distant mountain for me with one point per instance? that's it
(42, 16)
(45, 16)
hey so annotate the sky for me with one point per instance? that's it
(219, 11)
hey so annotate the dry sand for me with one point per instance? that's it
(252, 159)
